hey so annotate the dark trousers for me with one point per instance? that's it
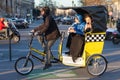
(41, 40)
(69, 40)
(47, 47)
(75, 44)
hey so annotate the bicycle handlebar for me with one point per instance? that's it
(31, 33)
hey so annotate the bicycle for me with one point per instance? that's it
(27, 59)
(24, 65)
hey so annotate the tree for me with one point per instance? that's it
(50, 4)
(92, 2)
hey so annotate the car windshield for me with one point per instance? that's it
(67, 18)
(19, 20)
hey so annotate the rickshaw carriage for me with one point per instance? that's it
(92, 58)
(94, 43)
(94, 40)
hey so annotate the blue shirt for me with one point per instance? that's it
(79, 27)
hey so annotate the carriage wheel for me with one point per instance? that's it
(24, 65)
(96, 65)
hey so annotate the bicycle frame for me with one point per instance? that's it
(42, 53)
(34, 50)
(91, 58)
(37, 51)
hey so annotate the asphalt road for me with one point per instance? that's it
(58, 71)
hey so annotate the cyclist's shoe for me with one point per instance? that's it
(47, 66)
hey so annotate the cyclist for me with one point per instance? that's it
(51, 32)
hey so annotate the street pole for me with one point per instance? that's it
(10, 54)
(11, 7)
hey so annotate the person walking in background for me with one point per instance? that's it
(51, 32)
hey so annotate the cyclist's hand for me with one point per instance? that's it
(36, 33)
(32, 31)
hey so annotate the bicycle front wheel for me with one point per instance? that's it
(24, 65)
(96, 65)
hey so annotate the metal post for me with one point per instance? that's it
(10, 54)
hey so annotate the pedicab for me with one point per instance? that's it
(92, 58)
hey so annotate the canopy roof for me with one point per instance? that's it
(99, 16)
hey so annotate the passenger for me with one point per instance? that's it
(3, 26)
(88, 20)
(51, 32)
(75, 42)
(76, 37)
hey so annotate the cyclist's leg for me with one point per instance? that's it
(48, 55)
(48, 49)
(41, 40)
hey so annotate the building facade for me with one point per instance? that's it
(112, 5)
(116, 8)
(16, 7)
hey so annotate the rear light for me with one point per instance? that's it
(114, 33)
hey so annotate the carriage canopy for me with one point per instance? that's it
(98, 14)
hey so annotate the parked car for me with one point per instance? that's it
(14, 33)
(21, 23)
(58, 20)
(118, 25)
(116, 37)
(67, 20)
(109, 33)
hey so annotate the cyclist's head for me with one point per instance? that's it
(45, 11)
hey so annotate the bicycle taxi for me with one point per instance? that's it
(92, 58)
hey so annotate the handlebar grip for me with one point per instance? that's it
(31, 33)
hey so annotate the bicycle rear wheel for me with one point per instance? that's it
(24, 65)
(96, 65)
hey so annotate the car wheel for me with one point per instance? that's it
(115, 41)
(109, 36)
(25, 26)
(16, 39)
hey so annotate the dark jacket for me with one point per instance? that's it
(49, 28)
